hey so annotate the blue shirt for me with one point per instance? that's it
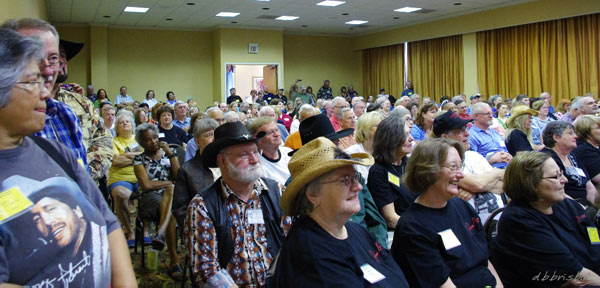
(487, 143)
(408, 92)
(537, 127)
(190, 150)
(123, 99)
(63, 126)
(417, 133)
(182, 124)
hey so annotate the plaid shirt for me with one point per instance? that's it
(63, 126)
(250, 259)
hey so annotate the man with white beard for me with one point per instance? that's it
(240, 210)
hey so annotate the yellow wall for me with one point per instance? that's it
(79, 66)
(315, 59)
(13, 9)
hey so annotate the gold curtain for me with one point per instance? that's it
(435, 67)
(383, 67)
(559, 56)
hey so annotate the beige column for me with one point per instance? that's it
(469, 42)
(99, 56)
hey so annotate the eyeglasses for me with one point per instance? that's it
(487, 114)
(53, 62)
(556, 177)
(245, 155)
(348, 180)
(455, 167)
(39, 84)
(271, 132)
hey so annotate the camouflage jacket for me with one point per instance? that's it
(98, 141)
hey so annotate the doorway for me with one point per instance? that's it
(247, 77)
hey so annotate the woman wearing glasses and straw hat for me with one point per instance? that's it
(439, 240)
(322, 248)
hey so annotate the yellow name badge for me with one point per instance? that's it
(593, 233)
(12, 201)
(80, 161)
(393, 179)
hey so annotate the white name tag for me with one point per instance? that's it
(501, 143)
(580, 172)
(255, 217)
(165, 162)
(133, 146)
(371, 274)
(161, 135)
(449, 239)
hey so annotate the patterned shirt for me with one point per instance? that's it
(325, 93)
(250, 259)
(63, 126)
(157, 169)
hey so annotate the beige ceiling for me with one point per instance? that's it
(313, 19)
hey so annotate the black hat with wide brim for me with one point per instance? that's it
(227, 135)
(319, 126)
(71, 48)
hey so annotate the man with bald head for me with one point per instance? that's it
(217, 114)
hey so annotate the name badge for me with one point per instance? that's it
(501, 143)
(80, 161)
(255, 216)
(161, 135)
(580, 172)
(133, 146)
(371, 274)
(449, 239)
(593, 234)
(393, 179)
(12, 201)
(165, 162)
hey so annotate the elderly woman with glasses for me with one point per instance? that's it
(544, 239)
(439, 241)
(324, 249)
(587, 128)
(40, 232)
(560, 140)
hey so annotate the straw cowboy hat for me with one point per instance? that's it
(226, 135)
(518, 111)
(314, 159)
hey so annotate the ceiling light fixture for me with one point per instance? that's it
(408, 9)
(356, 22)
(227, 14)
(136, 9)
(330, 3)
(287, 18)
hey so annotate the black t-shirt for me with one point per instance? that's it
(234, 98)
(420, 242)
(311, 257)
(577, 175)
(174, 135)
(383, 186)
(517, 141)
(589, 156)
(532, 247)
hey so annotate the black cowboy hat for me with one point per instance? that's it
(71, 48)
(226, 135)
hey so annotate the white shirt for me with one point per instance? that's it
(277, 170)
(476, 164)
(363, 170)
(295, 126)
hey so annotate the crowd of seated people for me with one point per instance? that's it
(303, 189)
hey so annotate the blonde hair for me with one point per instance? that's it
(364, 125)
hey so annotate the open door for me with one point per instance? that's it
(270, 78)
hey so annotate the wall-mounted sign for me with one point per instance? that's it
(253, 48)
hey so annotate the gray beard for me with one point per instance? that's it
(248, 175)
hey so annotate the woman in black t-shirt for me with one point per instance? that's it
(439, 240)
(518, 135)
(544, 239)
(323, 248)
(167, 131)
(391, 143)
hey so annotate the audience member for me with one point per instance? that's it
(101, 96)
(150, 99)
(358, 106)
(171, 98)
(587, 129)
(140, 117)
(293, 141)
(323, 248)
(409, 91)
(324, 92)
(539, 121)
(274, 156)
(544, 239)
(338, 104)
(518, 135)
(181, 118)
(499, 122)
(270, 112)
(345, 117)
(427, 235)
(424, 122)
(364, 135)
(233, 97)
(486, 141)
(167, 131)
(563, 106)
(122, 99)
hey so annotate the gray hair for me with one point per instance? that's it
(404, 98)
(106, 108)
(575, 102)
(124, 114)
(554, 128)
(16, 52)
(457, 97)
(302, 110)
(340, 113)
(338, 99)
(179, 103)
(142, 129)
(320, 102)
(477, 107)
(203, 125)
(213, 108)
(400, 112)
(544, 94)
(412, 97)
(264, 109)
(32, 23)
(231, 116)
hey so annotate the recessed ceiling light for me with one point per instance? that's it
(345, 14)
(457, 3)
(304, 26)
(227, 14)
(169, 19)
(396, 17)
(136, 9)
(287, 18)
(408, 9)
(330, 3)
(190, 3)
(233, 22)
(356, 22)
(106, 16)
(266, 8)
